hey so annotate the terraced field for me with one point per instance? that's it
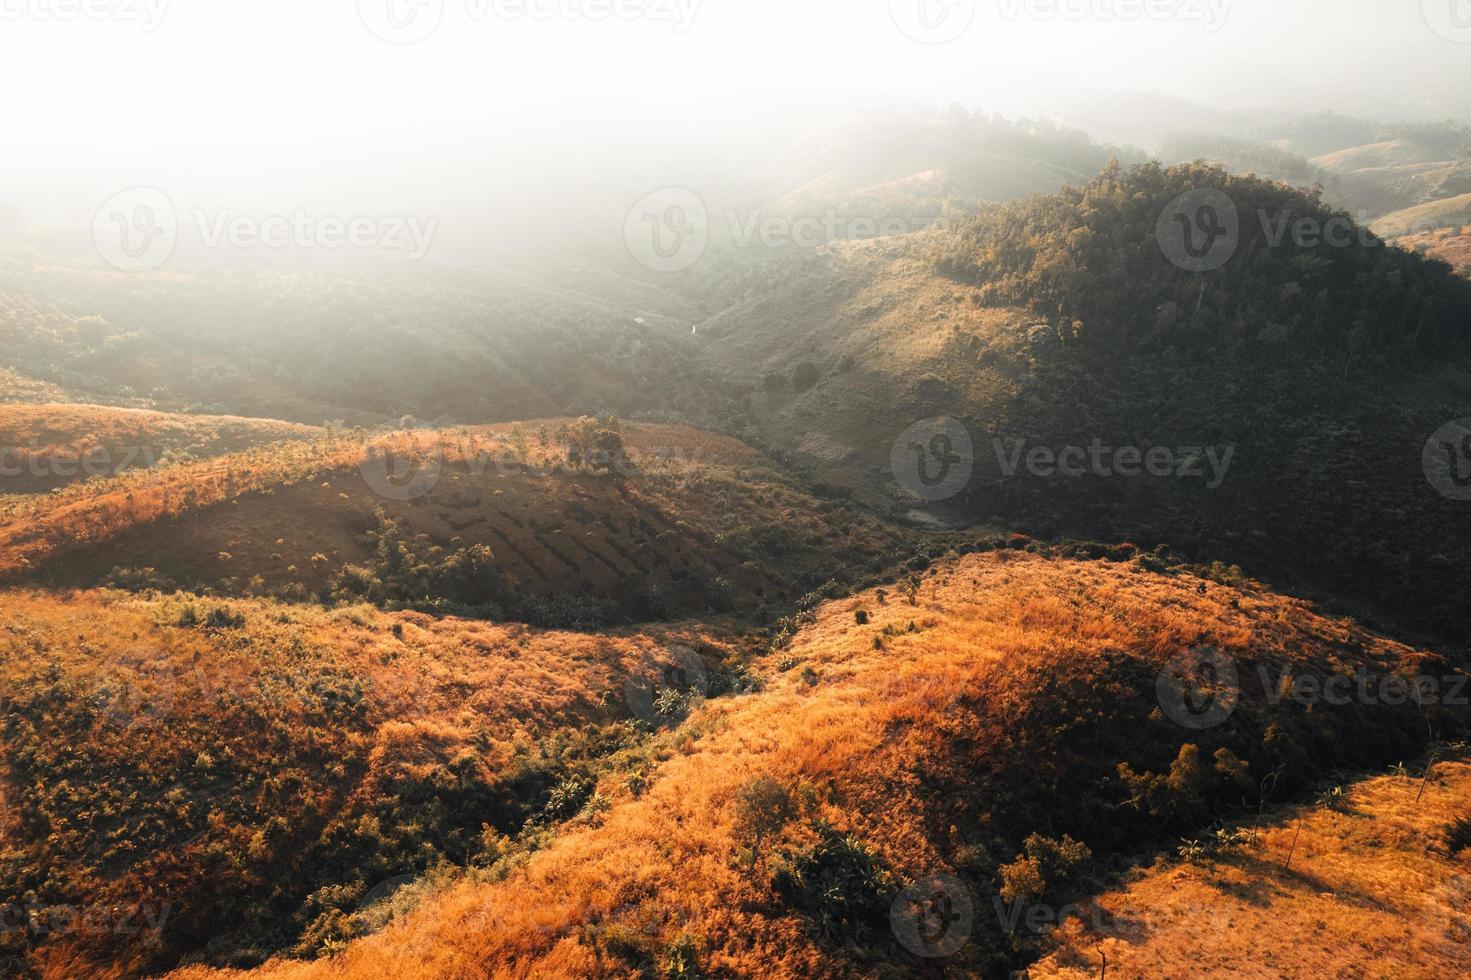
(684, 521)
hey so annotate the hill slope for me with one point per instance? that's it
(50, 445)
(1451, 212)
(1058, 324)
(671, 521)
(1450, 245)
(228, 780)
(1376, 887)
(1011, 696)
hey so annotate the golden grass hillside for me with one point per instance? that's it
(185, 779)
(672, 519)
(991, 721)
(1451, 212)
(1451, 245)
(1376, 885)
(19, 389)
(52, 445)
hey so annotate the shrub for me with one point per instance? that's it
(222, 618)
(763, 807)
(838, 884)
(1045, 867)
(1458, 835)
(681, 960)
(805, 376)
(139, 580)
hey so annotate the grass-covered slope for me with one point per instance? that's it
(50, 445)
(1450, 245)
(1451, 212)
(495, 521)
(1059, 322)
(997, 721)
(1376, 882)
(189, 779)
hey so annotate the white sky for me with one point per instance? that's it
(274, 103)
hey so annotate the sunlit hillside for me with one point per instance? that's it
(1373, 882)
(994, 720)
(245, 773)
(1450, 245)
(60, 444)
(1449, 213)
(638, 522)
(19, 389)
(1058, 322)
(666, 490)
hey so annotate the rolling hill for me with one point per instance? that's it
(226, 778)
(996, 722)
(1366, 167)
(1450, 245)
(727, 688)
(1058, 322)
(480, 341)
(1382, 872)
(669, 521)
(1448, 213)
(51, 446)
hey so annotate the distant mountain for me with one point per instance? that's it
(1059, 322)
(1367, 167)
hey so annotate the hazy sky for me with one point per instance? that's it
(277, 103)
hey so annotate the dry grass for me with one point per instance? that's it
(698, 511)
(50, 445)
(19, 389)
(1371, 892)
(1018, 681)
(32, 531)
(1452, 245)
(212, 769)
(1451, 212)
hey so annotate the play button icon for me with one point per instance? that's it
(1451, 19)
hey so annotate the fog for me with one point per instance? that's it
(518, 121)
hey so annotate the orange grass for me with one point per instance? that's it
(435, 691)
(47, 446)
(1371, 892)
(870, 730)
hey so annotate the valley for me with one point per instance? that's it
(999, 552)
